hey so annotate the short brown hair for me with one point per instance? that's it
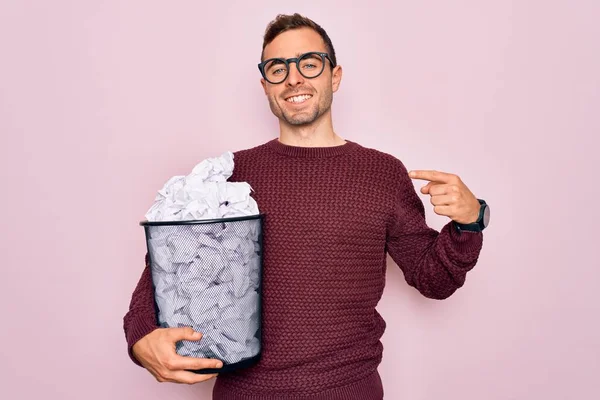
(285, 22)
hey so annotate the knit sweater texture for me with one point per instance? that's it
(332, 214)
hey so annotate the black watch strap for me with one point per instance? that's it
(480, 224)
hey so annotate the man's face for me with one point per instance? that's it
(319, 91)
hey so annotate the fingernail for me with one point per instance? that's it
(219, 364)
(196, 334)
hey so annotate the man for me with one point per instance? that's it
(334, 209)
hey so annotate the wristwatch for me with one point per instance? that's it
(482, 221)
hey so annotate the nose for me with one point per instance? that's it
(294, 78)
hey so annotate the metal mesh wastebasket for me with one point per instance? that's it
(207, 274)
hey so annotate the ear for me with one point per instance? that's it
(336, 78)
(264, 85)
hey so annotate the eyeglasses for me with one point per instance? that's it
(310, 65)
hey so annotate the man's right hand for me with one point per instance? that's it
(156, 352)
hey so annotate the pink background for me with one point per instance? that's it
(102, 102)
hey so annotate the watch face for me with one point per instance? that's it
(486, 216)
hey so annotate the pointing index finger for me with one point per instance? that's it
(430, 175)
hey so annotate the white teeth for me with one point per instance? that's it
(299, 99)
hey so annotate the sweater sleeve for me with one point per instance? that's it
(435, 263)
(141, 319)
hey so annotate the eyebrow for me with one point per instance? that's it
(311, 51)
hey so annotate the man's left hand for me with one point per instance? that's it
(449, 195)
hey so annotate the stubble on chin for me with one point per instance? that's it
(303, 118)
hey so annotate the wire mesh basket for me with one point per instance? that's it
(207, 274)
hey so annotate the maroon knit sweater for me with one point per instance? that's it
(332, 214)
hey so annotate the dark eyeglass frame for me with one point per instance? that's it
(296, 60)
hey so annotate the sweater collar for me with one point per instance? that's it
(311, 152)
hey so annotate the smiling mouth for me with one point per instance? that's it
(299, 98)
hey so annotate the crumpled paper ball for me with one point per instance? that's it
(204, 194)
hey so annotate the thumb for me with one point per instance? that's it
(425, 189)
(184, 333)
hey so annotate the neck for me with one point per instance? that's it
(319, 133)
